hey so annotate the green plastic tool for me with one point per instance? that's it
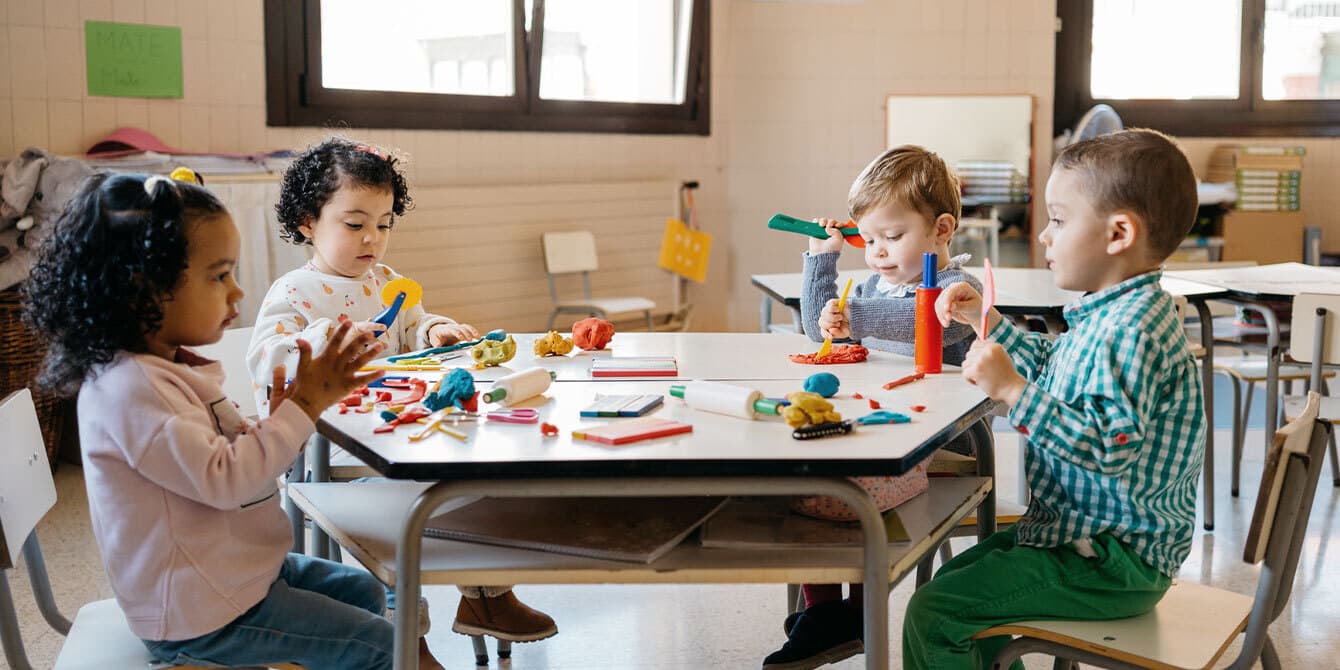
(793, 225)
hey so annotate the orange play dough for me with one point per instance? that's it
(842, 353)
(592, 333)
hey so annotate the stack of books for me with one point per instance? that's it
(991, 181)
(1267, 178)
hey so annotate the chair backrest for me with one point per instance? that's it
(231, 350)
(1314, 329)
(1279, 520)
(569, 252)
(27, 491)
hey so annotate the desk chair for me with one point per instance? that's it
(1193, 624)
(573, 252)
(99, 637)
(1321, 344)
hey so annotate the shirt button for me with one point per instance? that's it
(1023, 430)
(1122, 438)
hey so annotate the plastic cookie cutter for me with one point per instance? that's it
(397, 294)
(883, 416)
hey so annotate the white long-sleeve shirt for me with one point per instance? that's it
(307, 304)
(182, 492)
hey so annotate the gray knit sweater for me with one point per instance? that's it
(885, 321)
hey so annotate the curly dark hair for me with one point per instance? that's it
(321, 170)
(116, 254)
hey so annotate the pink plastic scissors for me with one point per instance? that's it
(517, 415)
(988, 297)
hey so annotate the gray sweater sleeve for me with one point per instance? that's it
(818, 285)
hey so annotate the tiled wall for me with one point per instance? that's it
(798, 91)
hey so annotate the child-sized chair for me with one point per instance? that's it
(1193, 624)
(1315, 336)
(573, 252)
(99, 638)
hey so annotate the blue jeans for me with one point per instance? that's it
(318, 614)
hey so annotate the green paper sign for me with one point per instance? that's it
(130, 60)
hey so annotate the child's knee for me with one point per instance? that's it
(368, 592)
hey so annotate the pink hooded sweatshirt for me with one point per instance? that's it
(183, 493)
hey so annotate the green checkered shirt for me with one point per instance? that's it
(1114, 415)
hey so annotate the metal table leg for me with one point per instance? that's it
(1207, 383)
(875, 554)
(318, 458)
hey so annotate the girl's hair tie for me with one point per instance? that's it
(185, 174)
(152, 181)
(372, 150)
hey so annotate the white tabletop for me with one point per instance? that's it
(1278, 281)
(719, 356)
(718, 445)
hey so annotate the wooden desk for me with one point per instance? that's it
(723, 456)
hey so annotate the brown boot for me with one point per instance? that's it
(503, 617)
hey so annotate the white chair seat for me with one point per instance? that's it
(1253, 369)
(101, 640)
(1187, 629)
(1330, 408)
(609, 305)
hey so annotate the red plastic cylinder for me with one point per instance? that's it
(929, 334)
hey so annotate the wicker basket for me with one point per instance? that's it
(20, 354)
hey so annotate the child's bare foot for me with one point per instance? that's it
(426, 659)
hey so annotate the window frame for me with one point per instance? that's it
(1247, 116)
(295, 97)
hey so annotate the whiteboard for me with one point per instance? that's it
(964, 127)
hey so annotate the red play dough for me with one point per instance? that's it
(592, 333)
(842, 353)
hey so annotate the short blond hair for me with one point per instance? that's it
(909, 176)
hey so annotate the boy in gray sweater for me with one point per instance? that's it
(905, 203)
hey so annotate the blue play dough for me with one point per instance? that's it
(823, 383)
(456, 389)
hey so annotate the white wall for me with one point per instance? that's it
(797, 104)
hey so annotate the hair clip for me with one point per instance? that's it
(151, 183)
(372, 150)
(187, 175)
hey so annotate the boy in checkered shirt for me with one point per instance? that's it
(1112, 410)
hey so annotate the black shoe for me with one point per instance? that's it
(825, 633)
(790, 622)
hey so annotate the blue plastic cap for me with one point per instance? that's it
(929, 270)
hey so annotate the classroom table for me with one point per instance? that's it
(722, 456)
(1032, 292)
(1256, 287)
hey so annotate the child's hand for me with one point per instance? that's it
(833, 323)
(444, 334)
(988, 367)
(961, 302)
(834, 242)
(371, 327)
(323, 380)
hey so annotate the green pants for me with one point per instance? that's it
(999, 581)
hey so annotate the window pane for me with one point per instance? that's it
(1302, 51)
(615, 50)
(1165, 49)
(419, 46)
